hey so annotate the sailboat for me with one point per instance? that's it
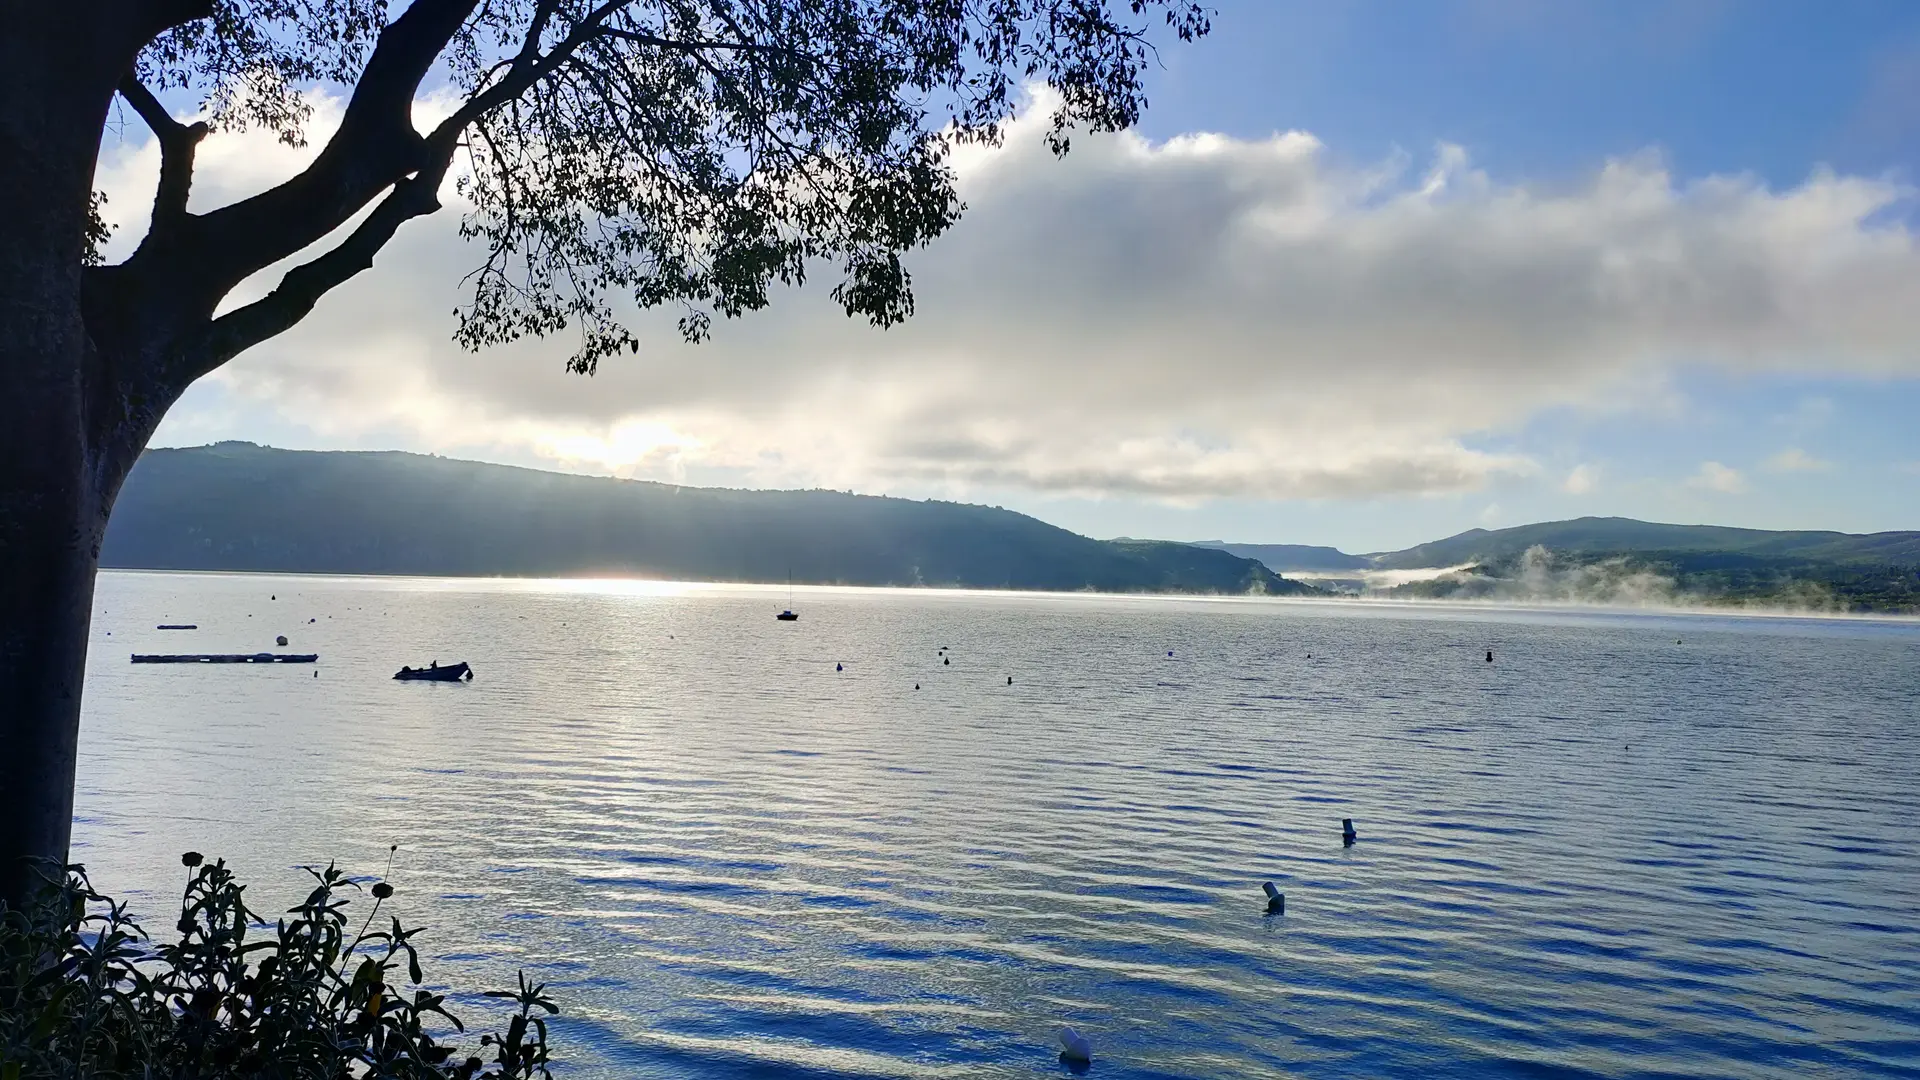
(789, 615)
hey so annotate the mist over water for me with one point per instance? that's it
(1542, 577)
(1633, 845)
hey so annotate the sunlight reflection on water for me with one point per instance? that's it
(1607, 853)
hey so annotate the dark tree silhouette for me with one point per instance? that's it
(689, 153)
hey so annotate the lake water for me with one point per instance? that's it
(1631, 846)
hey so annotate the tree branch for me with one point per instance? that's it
(178, 143)
(303, 286)
(676, 45)
(528, 68)
(375, 147)
(159, 16)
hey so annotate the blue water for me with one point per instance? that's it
(1633, 846)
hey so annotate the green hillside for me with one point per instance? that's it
(237, 506)
(1614, 535)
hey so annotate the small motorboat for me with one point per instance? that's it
(435, 673)
(788, 616)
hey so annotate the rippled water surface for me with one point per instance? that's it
(1631, 846)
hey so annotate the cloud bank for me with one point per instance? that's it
(1199, 318)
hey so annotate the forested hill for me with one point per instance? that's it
(1615, 535)
(237, 506)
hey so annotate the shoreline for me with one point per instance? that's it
(664, 587)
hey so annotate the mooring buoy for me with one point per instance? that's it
(1347, 835)
(1276, 900)
(1075, 1046)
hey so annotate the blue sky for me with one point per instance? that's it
(1538, 97)
(1545, 90)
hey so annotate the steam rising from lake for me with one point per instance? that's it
(1541, 577)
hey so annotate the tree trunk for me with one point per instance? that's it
(50, 528)
(57, 74)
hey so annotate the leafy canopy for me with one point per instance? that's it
(664, 152)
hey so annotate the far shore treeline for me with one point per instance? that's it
(237, 506)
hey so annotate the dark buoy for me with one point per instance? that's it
(1489, 656)
(1276, 900)
(837, 667)
(281, 640)
(1009, 680)
(1347, 835)
(1169, 652)
(916, 686)
(947, 662)
(273, 598)
(1076, 1049)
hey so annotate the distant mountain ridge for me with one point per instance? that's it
(1618, 535)
(238, 506)
(1285, 558)
(1614, 560)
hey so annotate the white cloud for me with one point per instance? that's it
(1714, 476)
(1794, 459)
(1205, 317)
(1581, 480)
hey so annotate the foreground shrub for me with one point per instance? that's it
(84, 993)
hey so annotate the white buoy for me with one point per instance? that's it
(1276, 900)
(1075, 1046)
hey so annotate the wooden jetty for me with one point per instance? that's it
(225, 658)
